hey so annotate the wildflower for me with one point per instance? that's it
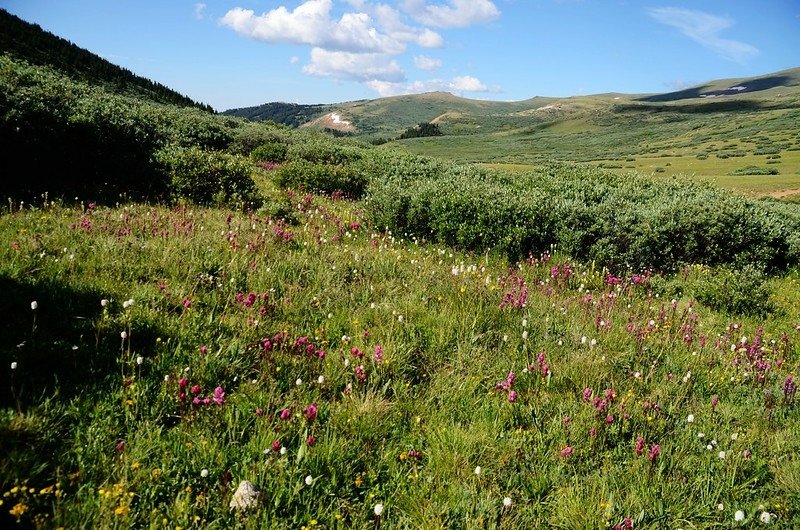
(639, 446)
(298, 382)
(714, 403)
(690, 418)
(525, 335)
(104, 302)
(378, 354)
(18, 510)
(309, 480)
(124, 335)
(204, 349)
(285, 414)
(320, 379)
(219, 396)
(566, 451)
(14, 365)
(276, 445)
(654, 452)
(512, 396)
(507, 502)
(283, 451)
(310, 440)
(310, 411)
(127, 303)
(720, 507)
(139, 360)
(738, 516)
(477, 470)
(34, 305)
(378, 510)
(204, 473)
(765, 517)
(721, 455)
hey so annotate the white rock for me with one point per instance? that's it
(245, 497)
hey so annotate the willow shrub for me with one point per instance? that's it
(207, 177)
(617, 221)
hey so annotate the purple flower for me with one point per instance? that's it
(566, 452)
(310, 411)
(285, 414)
(639, 446)
(654, 452)
(512, 396)
(219, 395)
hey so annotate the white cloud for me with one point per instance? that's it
(294, 59)
(310, 23)
(362, 67)
(453, 14)
(468, 83)
(390, 20)
(705, 29)
(199, 10)
(427, 63)
(457, 86)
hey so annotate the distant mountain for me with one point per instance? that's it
(389, 117)
(33, 44)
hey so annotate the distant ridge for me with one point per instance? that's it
(33, 44)
(388, 117)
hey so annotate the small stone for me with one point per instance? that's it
(245, 497)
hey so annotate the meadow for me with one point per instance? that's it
(373, 339)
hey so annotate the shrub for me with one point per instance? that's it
(206, 177)
(741, 291)
(754, 170)
(323, 178)
(270, 152)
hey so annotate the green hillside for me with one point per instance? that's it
(31, 43)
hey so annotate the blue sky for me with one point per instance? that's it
(236, 53)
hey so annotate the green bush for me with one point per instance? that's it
(207, 177)
(270, 152)
(322, 178)
(619, 221)
(736, 291)
(754, 170)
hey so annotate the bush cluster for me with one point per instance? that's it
(206, 177)
(617, 221)
(68, 138)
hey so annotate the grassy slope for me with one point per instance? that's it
(78, 390)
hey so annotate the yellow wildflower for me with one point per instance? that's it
(19, 509)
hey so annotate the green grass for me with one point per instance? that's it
(93, 438)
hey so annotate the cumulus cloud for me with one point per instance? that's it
(360, 40)
(453, 14)
(363, 67)
(311, 23)
(705, 29)
(427, 63)
(456, 85)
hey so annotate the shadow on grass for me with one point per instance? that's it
(59, 358)
(753, 85)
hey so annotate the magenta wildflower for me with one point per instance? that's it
(310, 440)
(259, 411)
(587, 394)
(219, 396)
(285, 414)
(310, 411)
(204, 349)
(183, 382)
(654, 452)
(360, 374)
(357, 353)
(566, 451)
(378, 354)
(714, 403)
(187, 303)
(639, 446)
(196, 389)
(512, 396)
(276, 446)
